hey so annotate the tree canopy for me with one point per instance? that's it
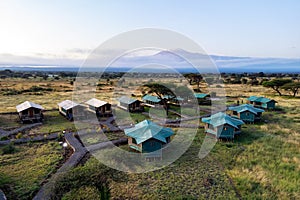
(276, 84)
(293, 87)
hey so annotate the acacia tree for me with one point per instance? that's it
(276, 84)
(194, 79)
(161, 91)
(293, 87)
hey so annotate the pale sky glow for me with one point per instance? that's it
(58, 29)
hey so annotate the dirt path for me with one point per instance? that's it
(39, 138)
(4, 133)
(2, 195)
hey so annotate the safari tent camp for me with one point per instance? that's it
(203, 99)
(151, 100)
(222, 125)
(69, 108)
(173, 99)
(261, 102)
(130, 104)
(246, 112)
(148, 137)
(29, 111)
(101, 108)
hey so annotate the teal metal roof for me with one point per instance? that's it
(146, 130)
(220, 118)
(259, 99)
(173, 97)
(127, 100)
(246, 107)
(200, 95)
(151, 98)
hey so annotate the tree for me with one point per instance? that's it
(161, 91)
(194, 79)
(275, 84)
(244, 81)
(293, 87)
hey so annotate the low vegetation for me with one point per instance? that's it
(24, 167)
(263, 163)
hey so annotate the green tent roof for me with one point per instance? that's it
(173, 97)
(200, 95)
(127, 100)
(151, 98)
(246, 107)
(259, 99)
(146, 130)
(220, 118)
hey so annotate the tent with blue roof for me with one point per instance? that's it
(201, 95)
(222, 125)
(147, 136)
(173, 99)
(246, 112)
(130, 104)
(261, 102)
(203, 99)
(152, 100)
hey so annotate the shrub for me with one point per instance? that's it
(19, 135)
(8, 149)
(4, 138)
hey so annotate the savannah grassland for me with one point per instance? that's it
(263, 163)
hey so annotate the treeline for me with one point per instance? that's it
(7, 73)
(34, 89)
(279, 82)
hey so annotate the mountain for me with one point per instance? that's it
(178, 59)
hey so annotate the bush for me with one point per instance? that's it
(19, 135)
(8, 149)
(4, 138)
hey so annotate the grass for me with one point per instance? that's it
(264, 161)
(9, 121)
(61, 90)
(187, 178)
(124, 117)
(55, 122)
(22, 171)
(97, 137)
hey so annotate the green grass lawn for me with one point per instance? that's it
(23, 170)
(55, 122)
(124, 117)
(264, 162)
(187, 178)
(97, 137)
(9, 121)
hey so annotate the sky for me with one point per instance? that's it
(72, 28)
